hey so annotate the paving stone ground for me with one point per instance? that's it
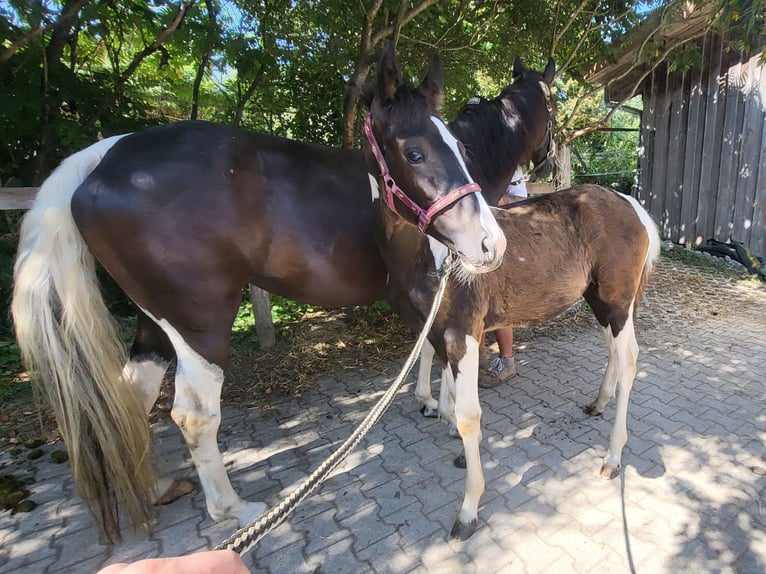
(691, 497)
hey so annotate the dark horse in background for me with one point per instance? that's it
(584, 241)
(182, 217)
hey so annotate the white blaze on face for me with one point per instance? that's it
(374, 188)
(452, 143)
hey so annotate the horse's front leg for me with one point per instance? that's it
(423, 386)
(447, 401)
(468, 418)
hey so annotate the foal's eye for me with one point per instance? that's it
(413, 155)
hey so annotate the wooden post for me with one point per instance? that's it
(264, 326)
(17, 197)
(563, 159)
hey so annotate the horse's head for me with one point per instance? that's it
(421, 165)
(543, 157)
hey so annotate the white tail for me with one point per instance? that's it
(69, 342)
(653, 253)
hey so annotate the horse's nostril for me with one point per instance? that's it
(487, 245)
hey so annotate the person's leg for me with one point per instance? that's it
(503, 367)
(505, 342)
(484, 352)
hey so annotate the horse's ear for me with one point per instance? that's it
(550, 71)
(518, 68)
(432, 86)
(388, 74)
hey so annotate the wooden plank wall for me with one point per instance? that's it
(702, 162)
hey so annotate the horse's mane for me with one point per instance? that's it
(494, 131)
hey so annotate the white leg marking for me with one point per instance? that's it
(468, 415)
(447, 400)
(626, 354)
(608, 385)
(423, 387)
(147, 375)
(197, 412)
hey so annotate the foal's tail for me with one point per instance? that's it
(69, 342)
(653, 253)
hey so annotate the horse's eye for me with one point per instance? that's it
(413, 155)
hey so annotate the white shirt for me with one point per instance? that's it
(518, 185)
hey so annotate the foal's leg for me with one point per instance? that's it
(447, 400)
(468, 416)
(608, 386)
(625, 357)
(197, 412)
(423, 387)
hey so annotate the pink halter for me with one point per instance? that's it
(391, 189)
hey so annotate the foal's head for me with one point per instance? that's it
(532, 90)
(421, 164)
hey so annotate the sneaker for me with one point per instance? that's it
(483, 359)
(500, 370)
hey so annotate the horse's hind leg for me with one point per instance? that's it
(197, 412)
(150, 355)
(625, 350)
(608, 386)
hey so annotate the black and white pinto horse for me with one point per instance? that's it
(182, 217)
(585, 241)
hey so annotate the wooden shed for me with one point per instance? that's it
(702, 147)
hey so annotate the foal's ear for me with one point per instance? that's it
(549, 72)
(518, 68)
(388, 74)
(432, 86)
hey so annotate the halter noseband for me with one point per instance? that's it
(391, 189)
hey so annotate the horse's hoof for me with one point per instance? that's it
(609, 473)
(463, 531)
(428, 412)
(175, 490)
(250, 512)
(460, 461)
(591, 410)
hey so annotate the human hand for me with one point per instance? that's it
(209, 562)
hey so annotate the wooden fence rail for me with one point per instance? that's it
(17, 197)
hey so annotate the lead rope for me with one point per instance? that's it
(245, 538)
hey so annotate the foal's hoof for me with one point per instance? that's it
(460, 461)
(174, 490)
(592, 410)
(463, 531)
(608, 472)
(428, 412)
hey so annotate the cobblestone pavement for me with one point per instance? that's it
(691, 498)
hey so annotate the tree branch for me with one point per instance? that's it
(32, 33)
(155, 45)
